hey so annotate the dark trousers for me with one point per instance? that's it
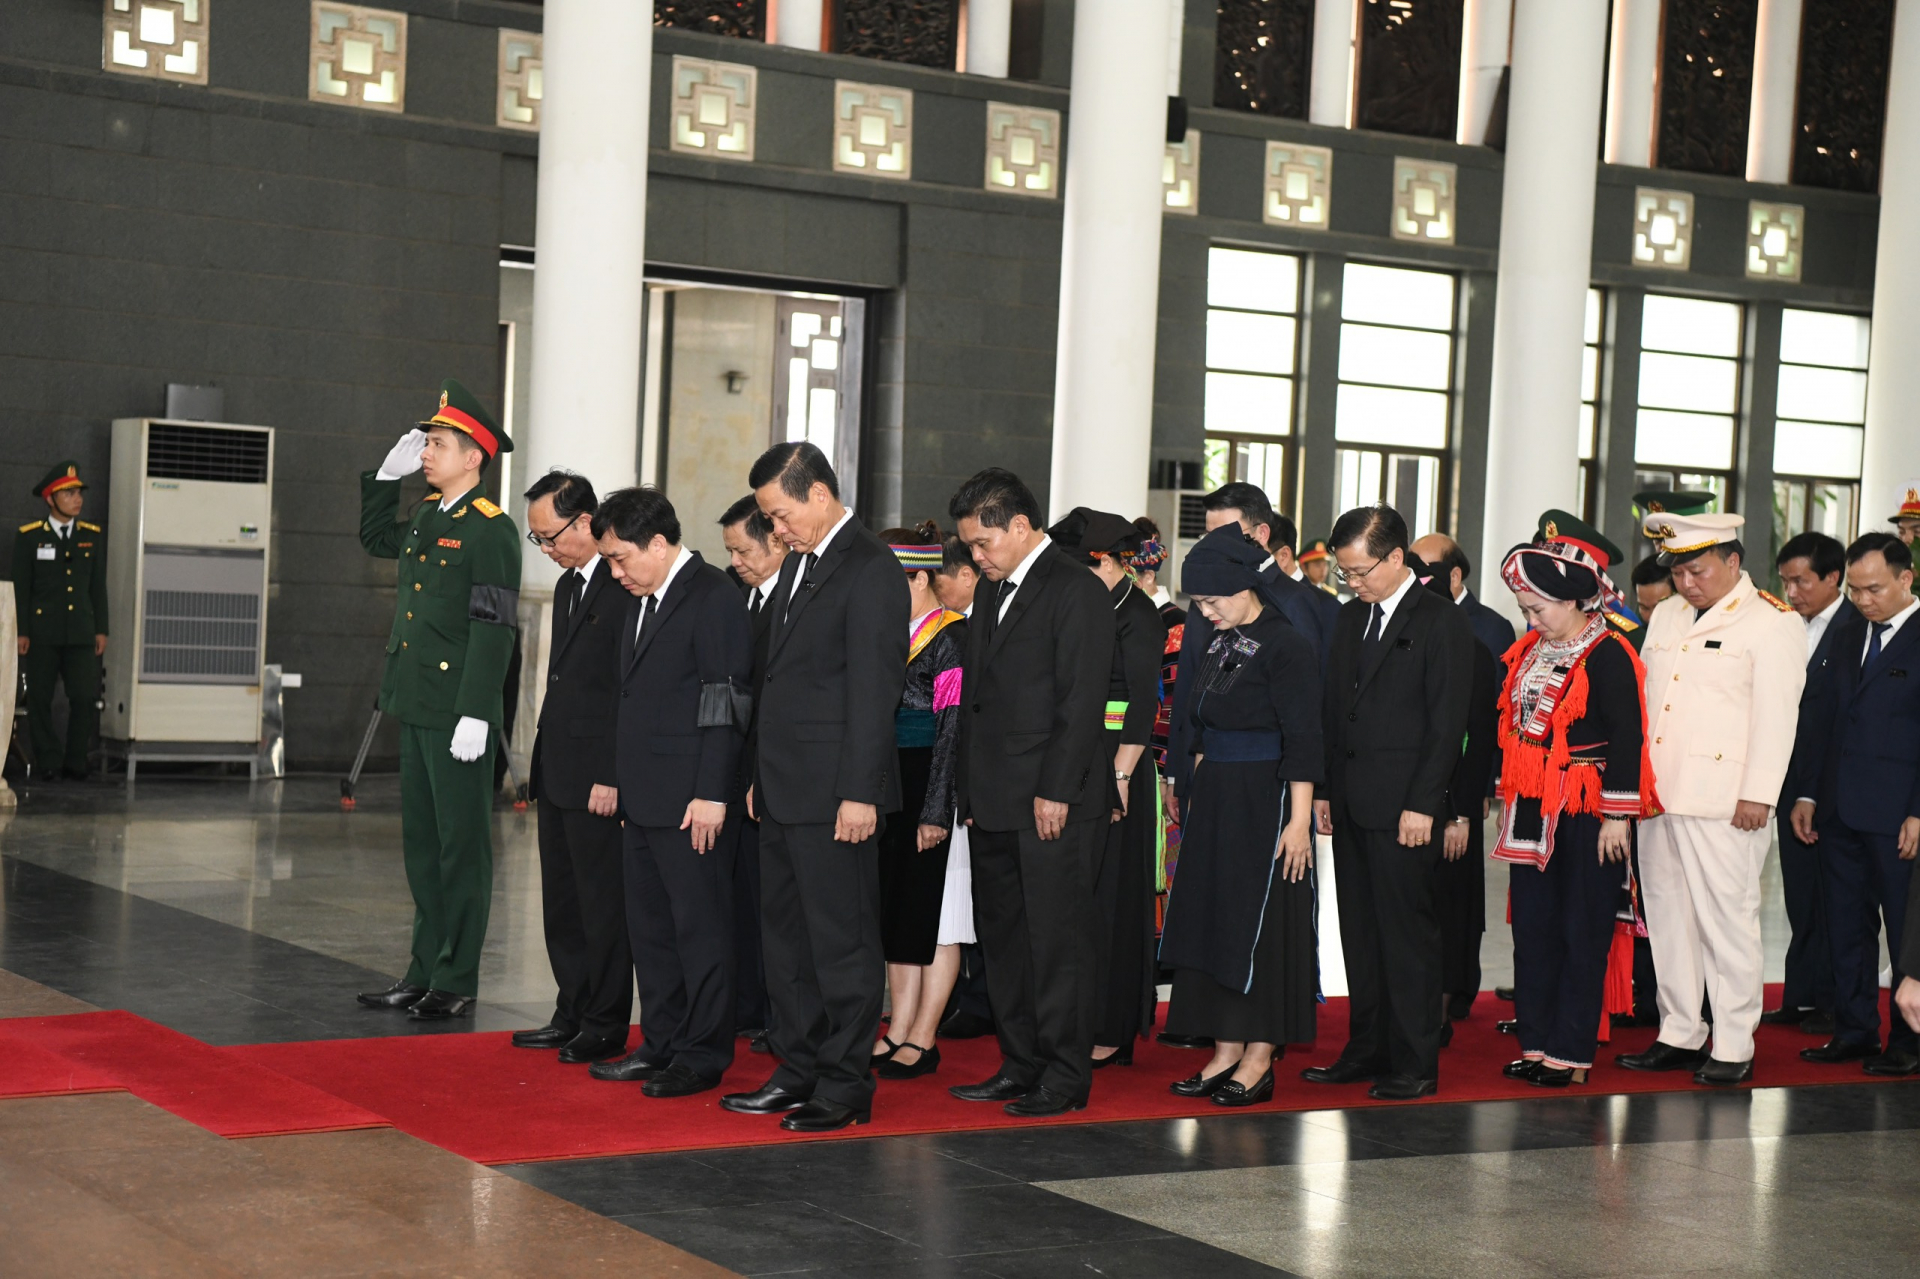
(749, 967)
(446, 831)
(820, 922)
(1809, 972)
(1391, 937)
(1562, 930)
(76, 666)
(680, 928)
(1034, 902)
(1460, 901)
(583, 907)
(970, 988)
(1866, 882)
(1123, 928)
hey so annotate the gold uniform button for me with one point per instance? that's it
(423, 560)
(409, 617)
(1683, 648)
(1667, 707)
(1658, 740)
(403, 643)
(443, 563)
(416, 586)
(1716, 754)
(443, 666)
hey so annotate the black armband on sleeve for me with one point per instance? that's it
(497, 604)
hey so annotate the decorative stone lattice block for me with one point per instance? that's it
(1662, 228)
(1775, 233)
(1023, 150)
(1298, 187)
(161, 39)
(713, 108)
(872, 130)
(1180, 174)
(521, 80)
(358, 57)
(1423, 200)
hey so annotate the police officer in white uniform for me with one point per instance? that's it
(1725, 664)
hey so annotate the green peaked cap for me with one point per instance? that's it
(64, 475)
(1673, 502)
(1563, 526)
(461, 410)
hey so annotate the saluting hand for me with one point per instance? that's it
(404, 458)
(704, 817)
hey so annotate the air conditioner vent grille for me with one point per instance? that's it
(225, 455)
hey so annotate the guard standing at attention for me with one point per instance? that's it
(459, 587)
(60, 599)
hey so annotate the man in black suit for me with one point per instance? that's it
(573, 786)
(825, 770)
(1811, 567)
(756, 555)
(1865, 816)
(1034, 787)
(1399, 682)
(684, 652)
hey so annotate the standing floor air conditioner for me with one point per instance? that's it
(187, 566)
(1182, 518)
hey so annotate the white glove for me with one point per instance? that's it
(405, 457)
(469, 739)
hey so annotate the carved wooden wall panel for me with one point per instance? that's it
(925, 33)
(746, 19)
(1263, 56)
(1706, 85)
(1409, 67)
(1845, 46)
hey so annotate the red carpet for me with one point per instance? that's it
(480, 1097)
(222, 1092)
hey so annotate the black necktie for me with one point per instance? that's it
(806, 581)
(1873, 643)
(1375, 625)
(753, 605)
(575, 585)
(646, 617)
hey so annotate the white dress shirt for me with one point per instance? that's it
(818, 547)
(1818, 623)
(1019, 575)
(1387, 605)
(680, 561)
(62, 529)
(1893, 625)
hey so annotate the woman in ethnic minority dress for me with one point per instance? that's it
(1240, 933)
(1146, 562)
(915, 848)
(1574, 778)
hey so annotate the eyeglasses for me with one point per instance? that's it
(544, 542)
(1355, 574)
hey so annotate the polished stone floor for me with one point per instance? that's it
(249, 913)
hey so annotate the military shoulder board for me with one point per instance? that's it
(91, 528)
(485, 507)
(1621, 621)
(1775, 600)
(29, 526)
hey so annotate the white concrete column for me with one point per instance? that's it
(1546, 246)
(989, 36)
(1631, 68)
(796, 24)
(1776, 76)
(589, 286)
(1330, 80)
(1110, 261)
(1483, 56)
(1892, 457)
(1176, 41)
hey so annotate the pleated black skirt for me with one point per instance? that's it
(912, 883)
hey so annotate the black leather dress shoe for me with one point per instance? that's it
(548, 1036)
(398, 995)
(584, 1048)
(1234, 1093)
(1724, 1074)
(1785, 1016)
(1184, 1041)
(678, 1080)
(1551, 1076)
(1503, 992)
(1459, 1006)
(1894, 1061)
(1198, 1085)
(761, 1043)
(1403, 1088)
(999, 1088)
(1119, 1057)
(440, 1005)
(1042, 1102)
(821, 1115)
(965, 1026)
(768, 1099)
(1663, 1057)
(1837, 1050)
(1339, 1072)
(636, 1065)
(1524, 1069)
(1508, 1025)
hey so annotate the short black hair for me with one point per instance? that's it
(954, 556)
(1650, 571)
(994, 497)
(747, 511)
(637, 515)
(1825, 554)
(1898, 555)
(1379, 527)
(571, 492)
(1455, 558)
(1251, 501)
(798, 466)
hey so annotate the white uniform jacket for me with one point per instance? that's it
(1723, 700)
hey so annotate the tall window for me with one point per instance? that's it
(1590, 405)
(1689, 395)
(1820, 423)
(1396, 392)
(1253, 341)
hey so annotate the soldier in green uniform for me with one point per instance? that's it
(447, 656)
(60, 598)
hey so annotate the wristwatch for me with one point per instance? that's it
(1119, 776)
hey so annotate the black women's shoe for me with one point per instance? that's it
(925, 1064)
(1551, 1076)
(1523, 1069)
(1235, 1093)
(1120, 1057)
(1198, 1085)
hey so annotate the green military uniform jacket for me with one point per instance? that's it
(458, 603)
(60, 585)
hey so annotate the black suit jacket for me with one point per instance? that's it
(1816, 712)
(663, 758)
(1394, 726)
(1032, 722)
(836, 661)
(1473, 774)
(1869, 752)
(1489, 627)
(573, 746)
(761, 624)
